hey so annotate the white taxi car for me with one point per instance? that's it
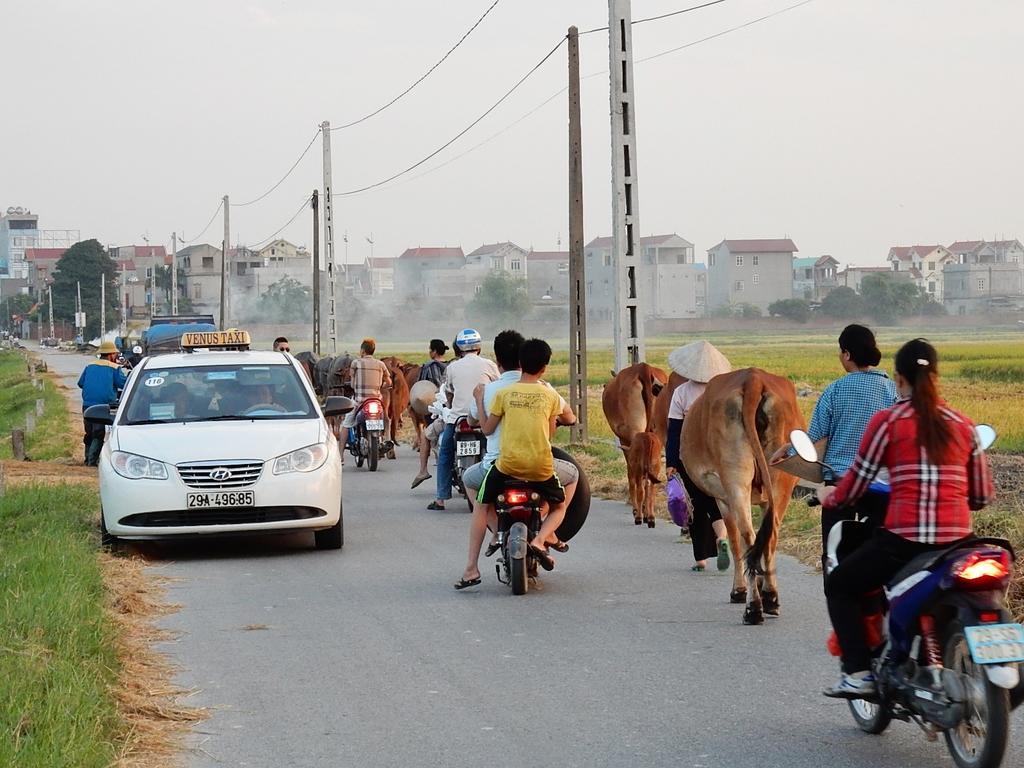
(219, 439)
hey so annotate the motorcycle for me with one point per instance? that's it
(947, 652)
(470, 446)
(366, 439)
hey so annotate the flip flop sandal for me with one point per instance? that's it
(542, 557)
(492, 548)
(723, 555)
(559, 546)
(697, 568)
(464, 583)
(435, 506)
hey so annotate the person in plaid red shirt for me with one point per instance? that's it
(938, 473)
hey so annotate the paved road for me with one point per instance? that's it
(621, 657)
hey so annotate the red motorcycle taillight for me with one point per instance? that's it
(983, 570)
(372, 408)
(465, 426)
(516, 496)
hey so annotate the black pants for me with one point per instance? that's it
(703, 514)
(93, 439)
(871, 506)
(871, 566)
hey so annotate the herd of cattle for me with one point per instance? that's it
(742, 417)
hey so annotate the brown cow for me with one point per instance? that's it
(643, 464)
(741, 418)
(396, 401)
(661, 403)
(628, 401)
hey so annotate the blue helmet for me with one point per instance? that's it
(468, 339)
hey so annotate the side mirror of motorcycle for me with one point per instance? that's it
(986, 436)
(100, 414)
(336, 405)
(803, 445)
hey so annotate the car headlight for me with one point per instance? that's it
(307, 459)
(136, 467)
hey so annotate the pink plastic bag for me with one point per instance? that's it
(678, 501)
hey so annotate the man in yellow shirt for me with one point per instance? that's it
(527, 412)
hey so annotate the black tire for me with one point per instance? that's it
(579, 507)
(371, 461)
(110, 543)
(987, 708)
(333, 537)
(870, 717)
(518, 576)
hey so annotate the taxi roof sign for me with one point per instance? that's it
(230, 339)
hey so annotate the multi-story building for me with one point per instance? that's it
(814, 278)
(756, 272)
(497, 257)
(19, 230)
(200, 266)
(139, 266)
(41, 263)
(923, 264)
(548, 276)
(374, 277)
(432, 273)
(984, 277)
(670, 284)
(851, 277)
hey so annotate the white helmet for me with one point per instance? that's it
(468, 339)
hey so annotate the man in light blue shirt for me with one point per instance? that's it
(506, 354)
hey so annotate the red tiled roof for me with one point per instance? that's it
(547, 256)
(41, 254)
(901, 252)
(148, 251)
(924, 250)
(606, 242)
(783, 245)
(491, 248)
(126, 264)
(916, 273)
(823, 260)
(965, 246)
(431, 253)
(382, 262)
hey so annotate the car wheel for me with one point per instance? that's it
(333, 537)
(108, 542)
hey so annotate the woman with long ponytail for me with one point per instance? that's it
(938, 474)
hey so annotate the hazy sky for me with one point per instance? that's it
(848, 125)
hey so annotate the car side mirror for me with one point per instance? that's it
(100, 414)
(337, 405)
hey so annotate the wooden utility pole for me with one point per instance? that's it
(225, 266)
(628, 324)
(577, 275)
(316, 271)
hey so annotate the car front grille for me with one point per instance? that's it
(229, 474)
(224, 516)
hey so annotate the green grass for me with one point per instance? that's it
(52, 438)
(57, 657)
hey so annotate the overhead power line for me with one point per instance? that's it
(203, 232)
(283, 226)
(461, 133)
(281, 181)
(424, 76)
(659, 16)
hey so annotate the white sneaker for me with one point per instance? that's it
(859, 685)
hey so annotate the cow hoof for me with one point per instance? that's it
(753, 616)
(650, 523)
(637, 521)
(738, 596)
(770, 603)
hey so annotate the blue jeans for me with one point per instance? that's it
(445, 462)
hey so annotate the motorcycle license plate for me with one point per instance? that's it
(375, 424)
(996, 643)
(221, 499)
(467, 448)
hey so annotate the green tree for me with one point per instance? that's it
(887, 298)
(748, 311)
(286, 301)
(162, 281)
(501, 301)
(843, 303)
(791, 309)
(83, 264)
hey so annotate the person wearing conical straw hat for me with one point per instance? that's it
(698, 363)
(100, 383)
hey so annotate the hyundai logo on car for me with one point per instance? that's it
(220, 474)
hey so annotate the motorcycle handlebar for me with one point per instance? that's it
(814, 501)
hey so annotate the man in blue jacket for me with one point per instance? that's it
(100, 383)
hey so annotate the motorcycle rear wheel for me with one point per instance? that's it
(517, 565)
(374, 452)
(980, 740)
(870, 717)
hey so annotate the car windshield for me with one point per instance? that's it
(217, 393)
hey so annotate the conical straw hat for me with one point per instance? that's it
(698, 361)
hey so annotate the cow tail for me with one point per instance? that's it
(648, 395)
(752, 402)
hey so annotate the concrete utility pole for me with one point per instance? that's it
(577, 275)
(316, 272)
(628, 325)
(174, 273)
(224, 266)
(103, 306)
(49, 300)
(79, 319)
(332, 315)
